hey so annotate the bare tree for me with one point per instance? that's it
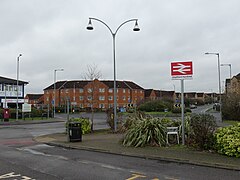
(91, 74)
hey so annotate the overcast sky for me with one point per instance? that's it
(52, 34)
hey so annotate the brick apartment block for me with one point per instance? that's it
(99, 93)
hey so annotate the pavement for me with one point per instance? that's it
(22, 122)
(108, 142)
(105, 141)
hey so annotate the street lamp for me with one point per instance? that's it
(136, 28)
(18, 58)
(219, 82)
(54, 101)
(230, 66)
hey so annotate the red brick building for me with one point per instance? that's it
(35, 99)
(151, 94)
(97, 93)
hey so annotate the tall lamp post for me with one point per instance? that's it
(18, 58)
(54, 101)
(219, 82)
(136, 28)
(230, 68)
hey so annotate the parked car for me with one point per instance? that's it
(193, 106)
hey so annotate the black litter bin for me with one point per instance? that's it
(74, 131)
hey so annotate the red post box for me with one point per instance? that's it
(6, 114)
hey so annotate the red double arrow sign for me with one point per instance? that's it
(181, 68)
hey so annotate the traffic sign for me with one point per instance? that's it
(181, 70)
(177, 105)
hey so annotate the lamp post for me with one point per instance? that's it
(54, 101)
(18, 58)
(136, 28)
(230, 68)
(219, 82)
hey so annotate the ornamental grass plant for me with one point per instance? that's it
(145, 130)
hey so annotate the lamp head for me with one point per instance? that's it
(136, 27)
(90, 27)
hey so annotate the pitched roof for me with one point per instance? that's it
(147, 92)
(190, 94)
(68, 84)
(238, 76)
(34, 96)
(200, 94)
(11, 81)
(82, 83)
(167, 93)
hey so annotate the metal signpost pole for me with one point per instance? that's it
(182, 106)
(18, 58)
(182, 71)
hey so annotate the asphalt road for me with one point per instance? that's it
(203, 109)
(99, 120)
(22, 158)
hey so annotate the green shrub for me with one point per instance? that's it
(154, 106)
(146, 131)
(85, 123)
(228, 140)
(202, 128)
(231, 106)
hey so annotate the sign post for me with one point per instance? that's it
(182, 71)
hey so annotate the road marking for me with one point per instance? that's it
(101, 165)
(170, 178)
(42, 154)
(12, 174)
(135, 176)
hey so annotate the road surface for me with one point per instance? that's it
(22, 158)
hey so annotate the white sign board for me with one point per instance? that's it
(13, 101)
(182, 70)
(26, 107)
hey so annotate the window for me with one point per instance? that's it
(89, 98)
(110, 90)
(90, 90)
(141, 91)
(81, 90)
(110, 98)
(66, 90)
(124, 98)
(101, 98)
(47, 98)
(81, 98)
(81, 105)
(124, 90)
(135, 91)
(128, 91)
(110, 105)
(74, 99)
(102, 90)
(101, 106)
